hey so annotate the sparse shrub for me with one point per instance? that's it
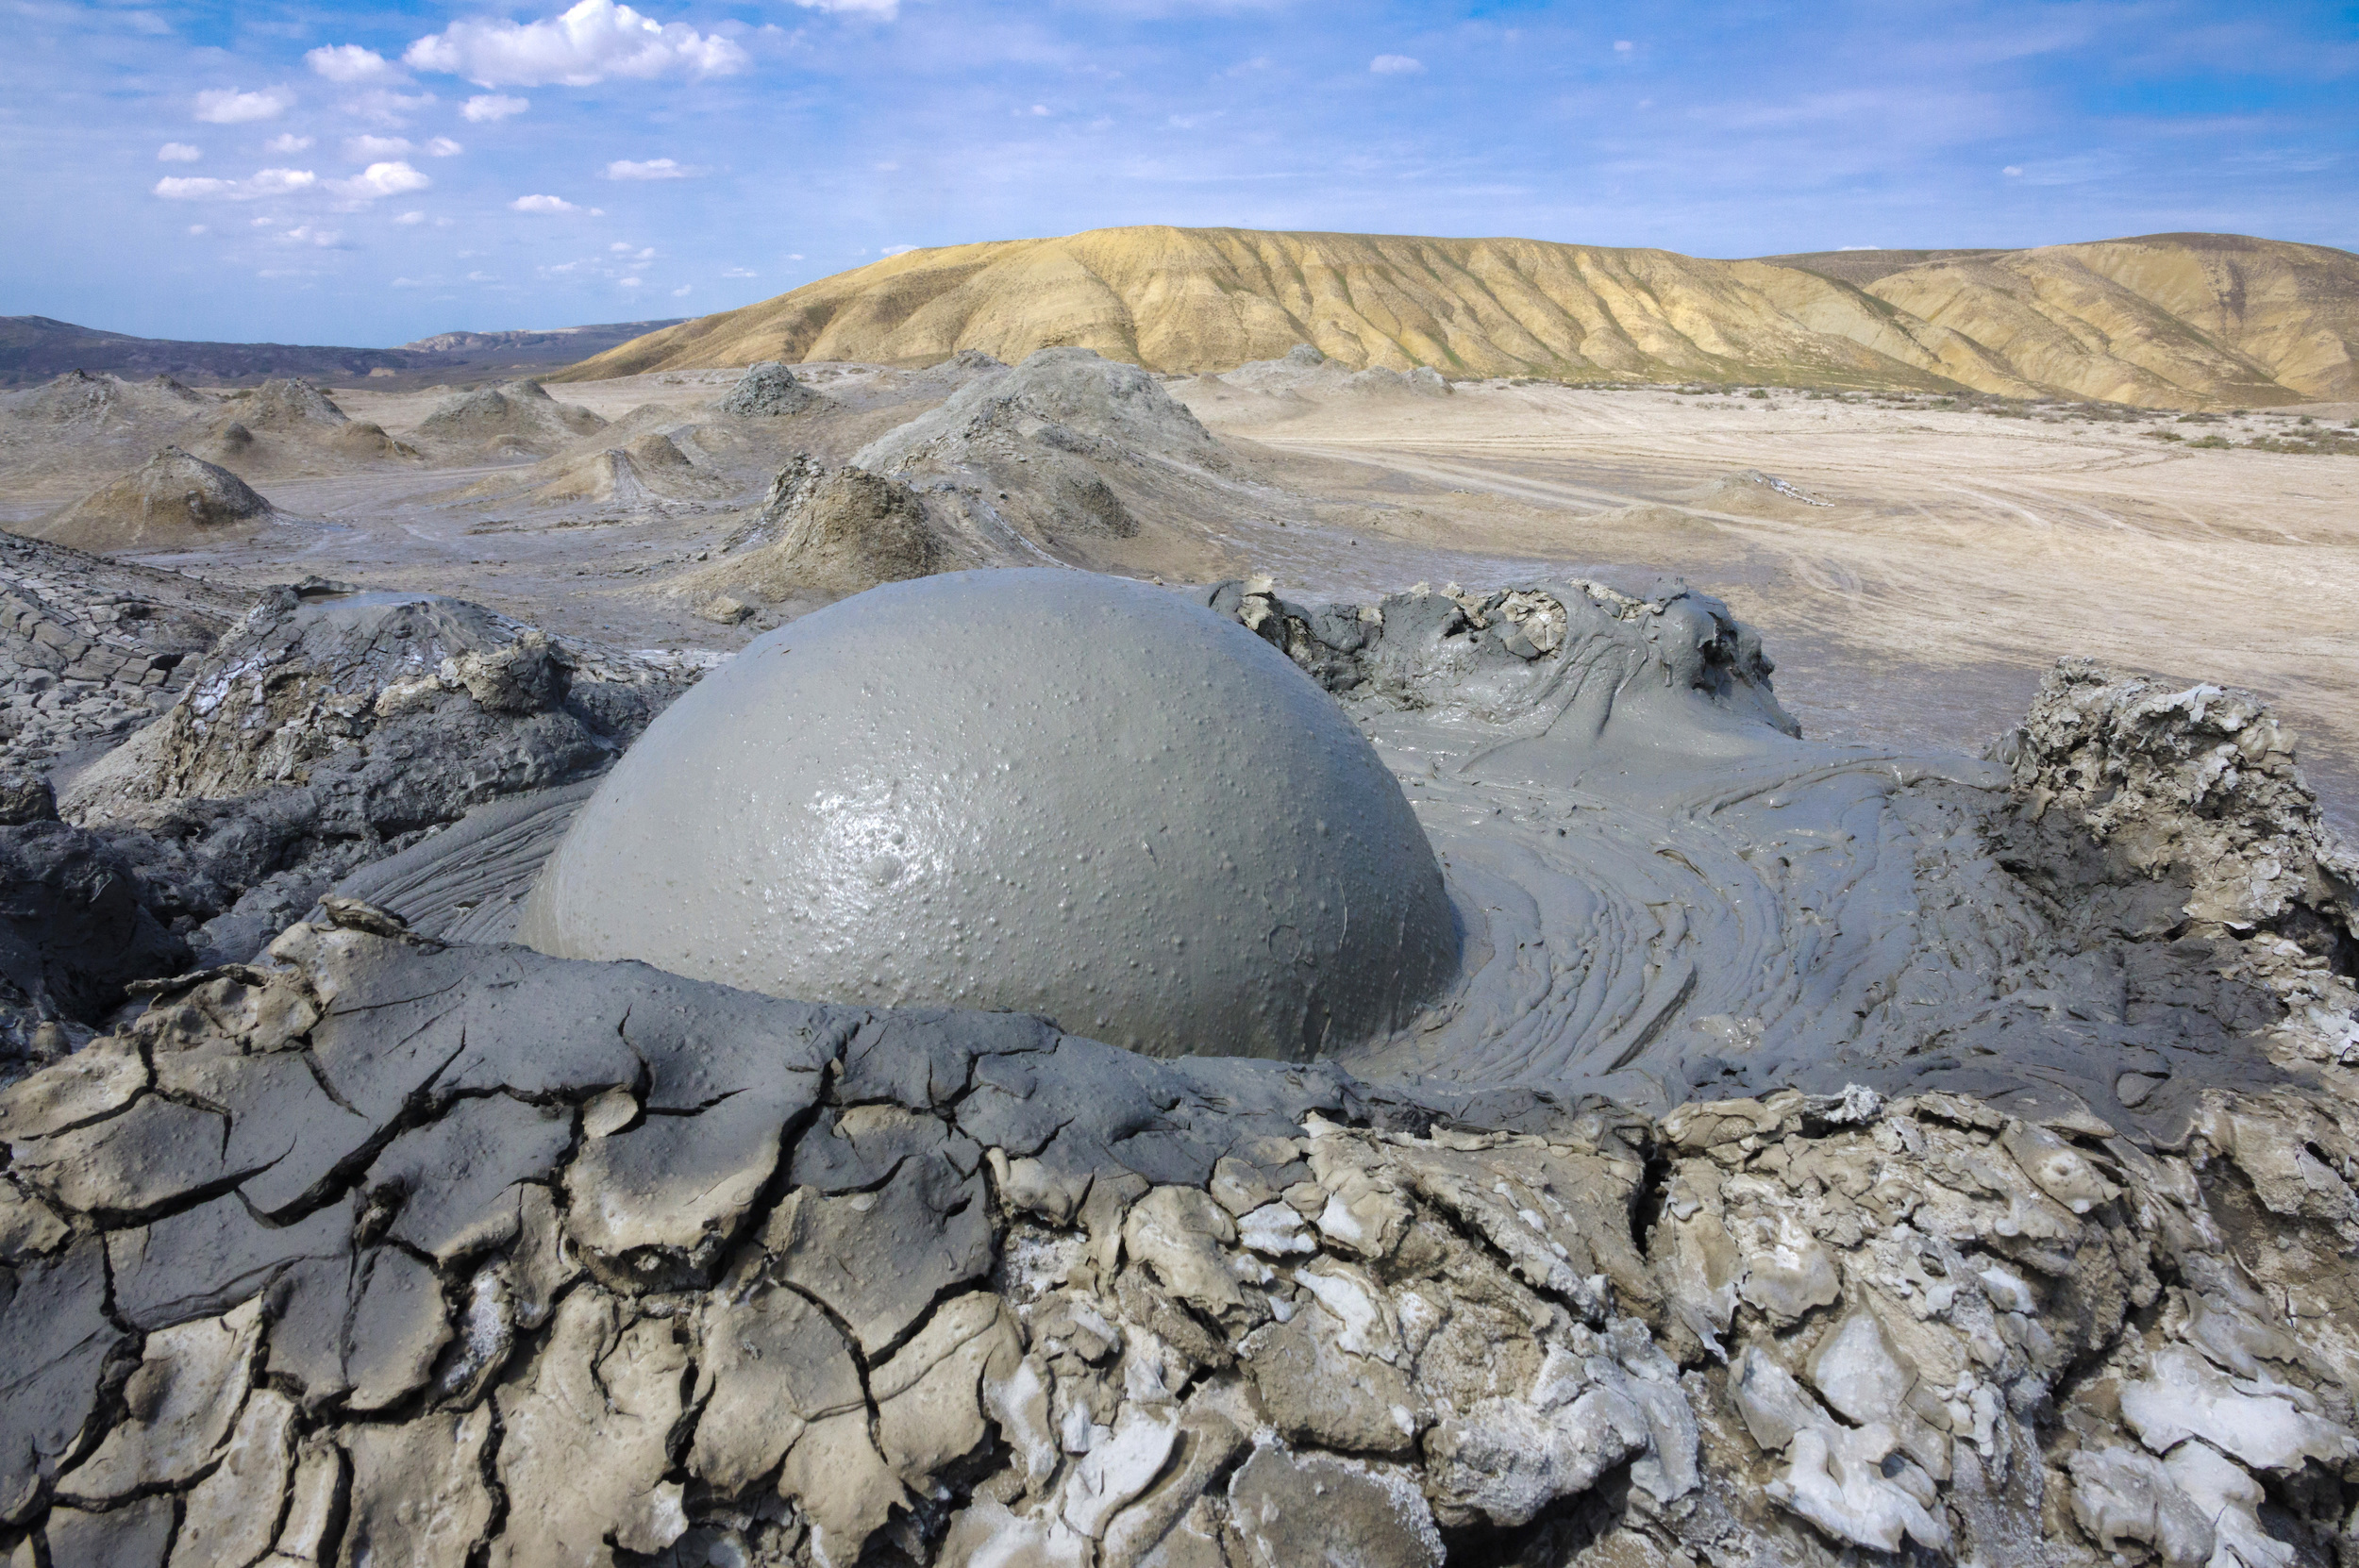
(2220, 443)
(1759, 392)
(2166, 435)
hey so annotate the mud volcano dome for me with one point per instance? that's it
(1036, 791)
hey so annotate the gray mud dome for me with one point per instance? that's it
(1074, 795)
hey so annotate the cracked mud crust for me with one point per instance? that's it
(392, 1248)
(387, 1250)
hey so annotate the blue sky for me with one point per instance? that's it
(367, 175)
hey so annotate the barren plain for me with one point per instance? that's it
(1914, 562)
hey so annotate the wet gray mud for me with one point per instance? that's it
(1669, 894)
(1819, 1154)
(1663, 892)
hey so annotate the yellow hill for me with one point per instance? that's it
(2170, 319)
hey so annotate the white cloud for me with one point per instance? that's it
(1622, 46)
(227, 106)
(325, 239)
(543, 204)
(483, 278)
(488, 107)
(620, 247)
(197, 228)
(179, 152)
(654, 168)
(379, 180)
(1396, 65)
(593, 40)
(410, 218)
(443, 146)
(895, 250)
(368, 149)
(739, 272)
(630, 282)
(683, 290)
(349, 63)
(2012, 169)
(266, 182)
(411, 283)
(885, 9)
(794, 256)
(287, 143)
(384, 107)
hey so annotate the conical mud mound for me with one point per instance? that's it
(173, 498)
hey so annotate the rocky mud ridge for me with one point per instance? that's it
(326, 727)
(87, 646)
(388, 1251)
(1827, 1155)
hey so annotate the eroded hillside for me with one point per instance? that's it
(2167, 321)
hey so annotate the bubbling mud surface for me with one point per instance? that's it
(1039, 791)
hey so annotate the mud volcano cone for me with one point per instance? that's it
(173, 498)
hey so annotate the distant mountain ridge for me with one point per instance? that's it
(2167, 320)
(34, 349)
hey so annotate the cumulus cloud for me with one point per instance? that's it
(361, 149)
(1622, 46)
(1396, 65)
(266, 182)
(378, 180)
(382, 106)
(895, 250)
(443, 146)
(594, 39)
(543, 204)
(325, 239)
(739, 271)
(179, 152)
(654, 168)
(197, 228)
(410, 218)
(288, 143)
(227, 106)
(886, 10)
(349, 63)
(683, 290)
(486, 108)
